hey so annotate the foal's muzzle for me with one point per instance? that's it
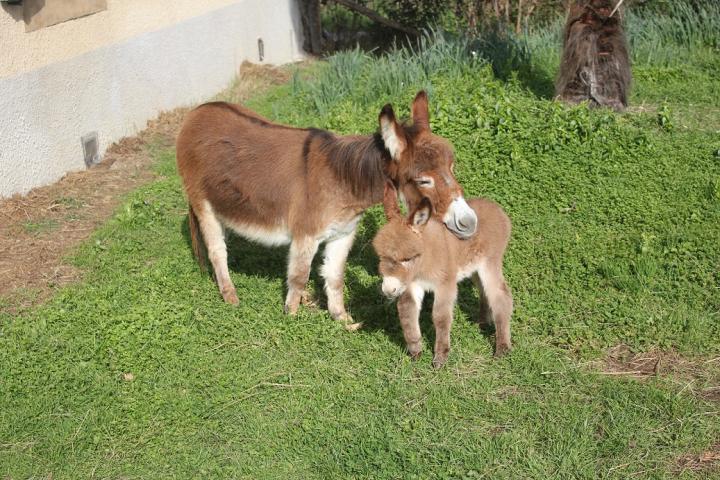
(461, 219)
(392, 287)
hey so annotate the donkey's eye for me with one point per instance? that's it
(425, 182)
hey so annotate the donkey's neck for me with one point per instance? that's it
(360, 162)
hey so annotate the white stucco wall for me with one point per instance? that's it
(49, 100)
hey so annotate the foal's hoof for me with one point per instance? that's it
(308, 300)
(502, 350)
(353, 327)
(347, 321)
(415, 354)
(439, 361)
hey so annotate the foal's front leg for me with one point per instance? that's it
(409, 305)
(442, 319)
(302, 251)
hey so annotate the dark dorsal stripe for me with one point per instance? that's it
(257, 121)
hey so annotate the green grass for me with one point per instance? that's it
(615, 240)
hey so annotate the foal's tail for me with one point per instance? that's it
(198, 245)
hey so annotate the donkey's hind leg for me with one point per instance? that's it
(500, 302)
(302, 251)
(333, 271)
(212, 231)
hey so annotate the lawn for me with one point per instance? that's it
(140, 370)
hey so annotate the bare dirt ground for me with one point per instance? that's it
(39, 229)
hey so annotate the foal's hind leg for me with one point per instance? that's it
(500, 302)
(302, 251)
(333, 271)
(485, 314)
(212, 232)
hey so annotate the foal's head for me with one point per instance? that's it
(399, 243)
(423, 168)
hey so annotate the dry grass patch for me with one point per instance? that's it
(699, 376)
(704, 462)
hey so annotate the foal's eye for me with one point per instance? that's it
(405, 262)
(425, 182)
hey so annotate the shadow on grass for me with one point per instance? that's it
(365, 302)
(510, 57)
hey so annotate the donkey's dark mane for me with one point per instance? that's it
(359, 162)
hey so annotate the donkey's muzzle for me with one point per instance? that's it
(461, 219)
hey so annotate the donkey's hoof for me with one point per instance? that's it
(231, 297)
(415, 355)
(290, 309)
(501, 350)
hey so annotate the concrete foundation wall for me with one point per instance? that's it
(116, 88)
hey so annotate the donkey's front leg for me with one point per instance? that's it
(442, 319)
(302, 251)
(409, 305)
(333, 271)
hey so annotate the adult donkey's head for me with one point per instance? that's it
(422, 167)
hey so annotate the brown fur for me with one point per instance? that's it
(595, 66)
(422, 255)
(277, 184)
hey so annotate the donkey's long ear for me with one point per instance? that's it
(421, 215)
(420, 111)
(393, 134)
(392, 211)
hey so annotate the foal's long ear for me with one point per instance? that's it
(392, 211)
(420, 111)
(421, 215)
(393, 134)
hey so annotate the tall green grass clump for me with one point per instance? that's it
(363, 77)
(667, 36)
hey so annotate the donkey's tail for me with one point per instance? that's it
(198, 245)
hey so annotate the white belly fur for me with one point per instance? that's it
(273, 237)
(270, 237)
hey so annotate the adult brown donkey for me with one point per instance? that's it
(279, 185)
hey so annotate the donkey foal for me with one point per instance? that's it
(419, 254)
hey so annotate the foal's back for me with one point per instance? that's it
(444, 252)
